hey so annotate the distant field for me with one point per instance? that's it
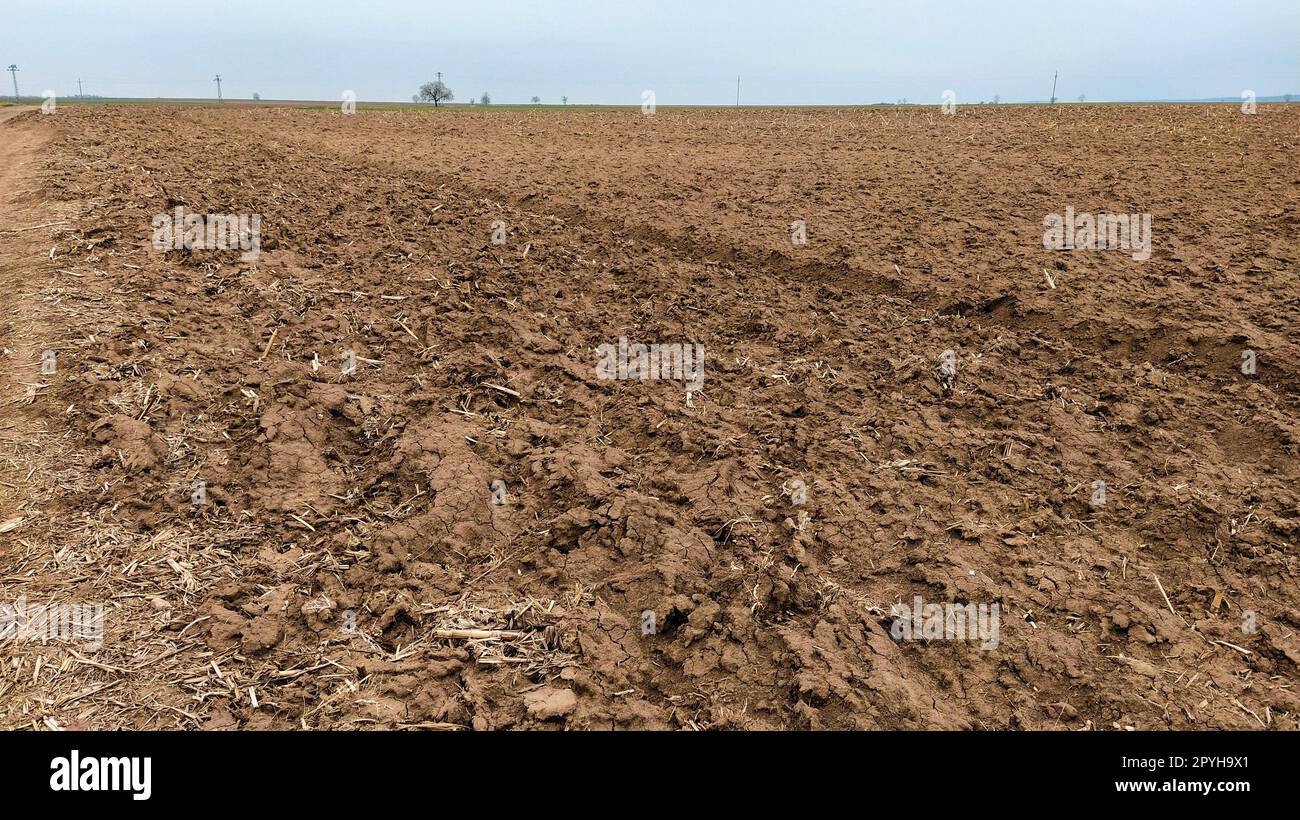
(308, 104)
(407, 106)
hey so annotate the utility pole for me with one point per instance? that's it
(218, 82)
(1054, 75)
(13, 70)
(737, 90)
(439, 76)
(80, 93)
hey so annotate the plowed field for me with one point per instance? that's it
(349, 565)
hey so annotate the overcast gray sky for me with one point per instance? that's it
(687, 51)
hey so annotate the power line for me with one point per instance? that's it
(218, 82)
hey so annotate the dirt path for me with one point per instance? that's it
(22, 333)
(34, 451)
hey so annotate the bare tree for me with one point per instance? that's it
(435, 92)
(485, 99)
(536, 100)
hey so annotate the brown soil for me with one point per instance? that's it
(336, 499)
